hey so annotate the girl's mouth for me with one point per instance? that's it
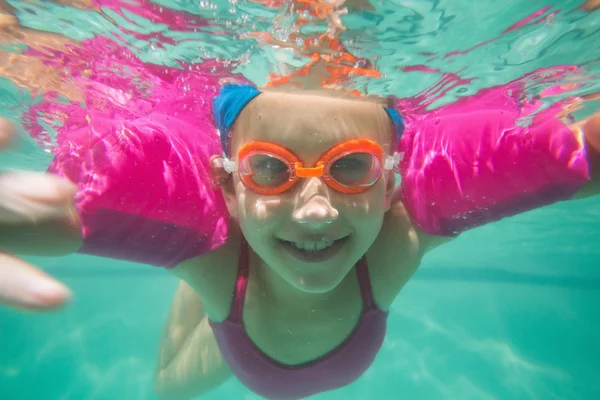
(314, 251)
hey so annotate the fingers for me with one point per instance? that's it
(23, 286)
(591, 129)
(591, 5)
(27, 196)
(31, 197)
(6, 132)
(46, 188)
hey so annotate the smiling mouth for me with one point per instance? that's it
(314, 251)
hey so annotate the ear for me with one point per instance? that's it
(390, 189)
(224, 181)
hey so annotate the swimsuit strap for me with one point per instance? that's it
(364, 282)
(241, 284)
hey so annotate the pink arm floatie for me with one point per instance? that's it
(470, 163)
(144, 189)
(139, 152)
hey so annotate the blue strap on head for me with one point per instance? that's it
(397, 120)
(228, 105)
(233, 97)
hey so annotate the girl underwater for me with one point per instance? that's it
(287, 227)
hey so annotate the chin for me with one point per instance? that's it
(316, 283)
(316, 278)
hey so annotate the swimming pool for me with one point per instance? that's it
(508, 311)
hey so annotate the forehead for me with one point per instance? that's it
(314, 122)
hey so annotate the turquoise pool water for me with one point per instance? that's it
(507, 311)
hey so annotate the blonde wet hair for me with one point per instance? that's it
(383, 101)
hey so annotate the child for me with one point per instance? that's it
(291, 265)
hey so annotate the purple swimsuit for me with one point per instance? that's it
(273, 380)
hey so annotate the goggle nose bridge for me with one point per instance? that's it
(309, 172)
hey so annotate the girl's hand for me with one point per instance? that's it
(29, 200)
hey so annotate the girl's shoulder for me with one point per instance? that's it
(396, 254)
(213, 275)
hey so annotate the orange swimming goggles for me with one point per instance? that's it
(351, 167)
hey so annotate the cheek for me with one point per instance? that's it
(368, 202)
(258, 210)
(366, 209)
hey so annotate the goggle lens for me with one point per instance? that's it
(265, 170)
(355, 170)
(351, 170)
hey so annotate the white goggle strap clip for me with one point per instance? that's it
(229, 166)
(392, 162)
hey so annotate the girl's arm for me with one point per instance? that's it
(36, 217)
(189, 363)
(476, 161)
(590, 129)
(138, 153)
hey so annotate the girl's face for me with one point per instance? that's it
(310, 235)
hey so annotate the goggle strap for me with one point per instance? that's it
(391, 162)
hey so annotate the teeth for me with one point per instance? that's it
(313, 246)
